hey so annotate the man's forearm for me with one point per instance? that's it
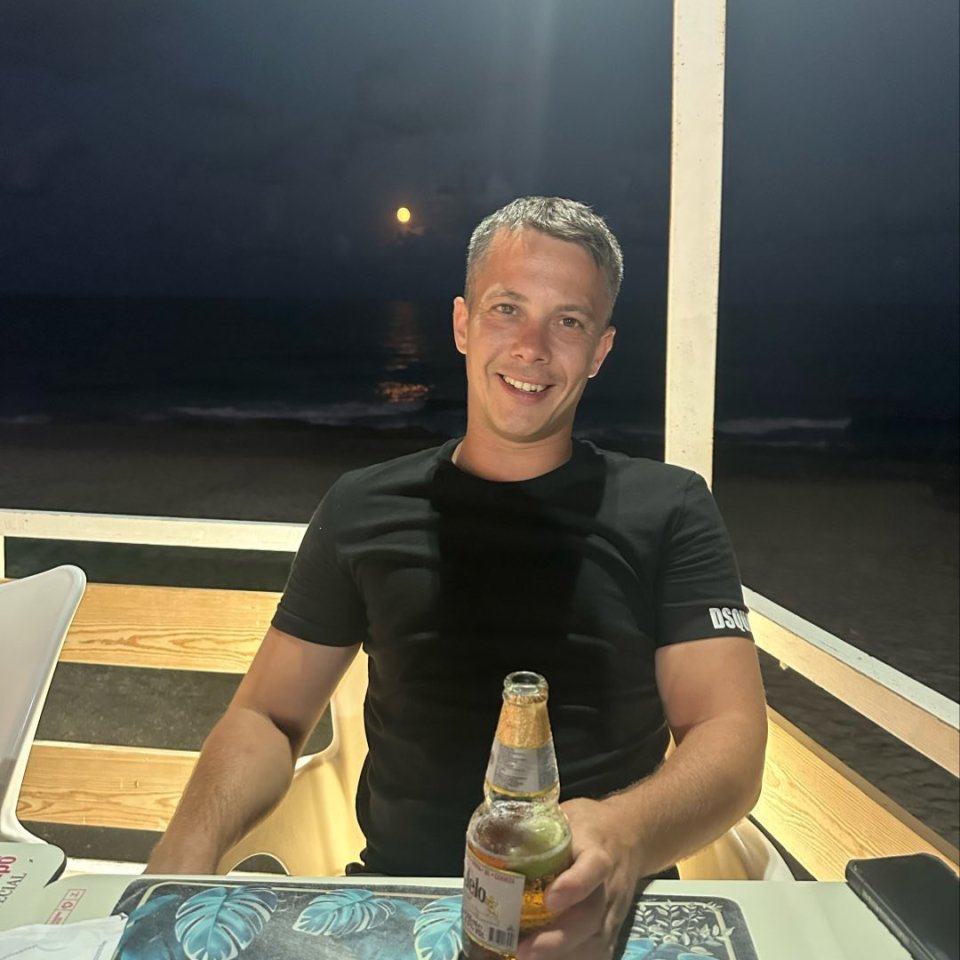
(709, 782)
(244, 770)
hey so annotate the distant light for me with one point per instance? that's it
(403, 215)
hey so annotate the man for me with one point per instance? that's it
(515, 547)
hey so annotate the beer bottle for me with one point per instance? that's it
(518, 839)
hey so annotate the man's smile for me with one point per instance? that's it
(523, 385)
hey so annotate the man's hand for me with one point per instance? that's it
(713, 699)
(594, 895)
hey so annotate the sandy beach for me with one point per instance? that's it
(866, 549)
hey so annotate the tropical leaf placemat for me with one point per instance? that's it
(198, 920)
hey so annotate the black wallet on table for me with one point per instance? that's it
(916, 896)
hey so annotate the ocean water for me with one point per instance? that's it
(802, 376)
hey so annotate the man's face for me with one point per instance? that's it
(534, 330)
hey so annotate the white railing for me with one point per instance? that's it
(920, 717)
(155, 531)
(924, 719)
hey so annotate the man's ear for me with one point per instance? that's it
(603, 348)
(460, 316)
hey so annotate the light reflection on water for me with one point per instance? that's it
(403, 348)
(393, 391)
(403, 343)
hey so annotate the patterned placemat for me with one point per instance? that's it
(196, 920)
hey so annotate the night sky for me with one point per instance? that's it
(248, 149)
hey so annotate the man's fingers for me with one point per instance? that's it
(575, 884)
(568, 934)
(596, 948)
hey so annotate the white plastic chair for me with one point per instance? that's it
(742, 853)
(35, 614)
(314, 832)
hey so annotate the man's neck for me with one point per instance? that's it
(507, 461)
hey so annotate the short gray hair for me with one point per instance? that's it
(567, 220)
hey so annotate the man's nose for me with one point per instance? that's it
(532, 343)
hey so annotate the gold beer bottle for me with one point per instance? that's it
(518, 839)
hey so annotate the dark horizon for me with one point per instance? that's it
(830, 372)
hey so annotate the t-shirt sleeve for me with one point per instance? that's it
(700, 591)
(321, 602)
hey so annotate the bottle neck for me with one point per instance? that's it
(523, 762)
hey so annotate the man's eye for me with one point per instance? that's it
(507, 308)
(570, 322)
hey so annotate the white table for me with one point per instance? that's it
(786, 921)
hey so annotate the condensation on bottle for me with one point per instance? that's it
(518, 839)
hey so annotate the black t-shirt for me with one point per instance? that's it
(451, 582)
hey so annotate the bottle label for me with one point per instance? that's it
(492, 903)
(523, 771)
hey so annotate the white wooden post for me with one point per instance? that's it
(696, 172)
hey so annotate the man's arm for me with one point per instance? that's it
(713, 699)
(247, 761)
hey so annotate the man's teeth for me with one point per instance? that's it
(526, 387)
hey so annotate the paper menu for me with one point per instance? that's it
(88, 940)
(26, 869)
